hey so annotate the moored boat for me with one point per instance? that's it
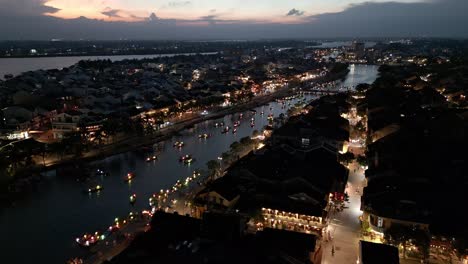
(204, 136)
(186, 158)
(93, 189)
(130, 176)
(225, 130)
(179, 144)
(133, 198)
(151, 158)
(88, 240)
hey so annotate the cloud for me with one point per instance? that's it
(295, 12)
(211, 19)
(26, 7)
(176, 4)
(441, 18)
(111, 13)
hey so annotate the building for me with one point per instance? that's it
(373, 253)
(65, 123)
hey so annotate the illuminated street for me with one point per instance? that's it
(344, 227)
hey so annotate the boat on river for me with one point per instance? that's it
(270, 117)
(133, 198)
(100, 172)
(129, 177)
(151, 158)
(186, 159)
(204, 136)
(225, 130)
(94, 189)
(219, 124)
(179, 144)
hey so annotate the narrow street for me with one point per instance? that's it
(344, 227)
(341, 241)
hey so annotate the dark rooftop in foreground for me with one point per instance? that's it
(373, 253)
(180, 239)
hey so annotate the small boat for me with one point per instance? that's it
(270, 117)
(152, 158)
(185, 158)
(153, 200)
(225, 130)
(179, 144)
(204, 136)
(196, 174)
(133, 198)
(129, 177)
(100, 172)
(94, 189)
(88, 240)
(220, 124)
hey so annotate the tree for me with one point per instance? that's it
(235, 147)
(401, 235)
(360, 127)
(346, 158)
(397, 235)
(109, 127)
(58, 148)
(255, 133)
(74, 143)
(213, 168)
(362, 87)
(226, 156)
(362, 160)
(246, 141)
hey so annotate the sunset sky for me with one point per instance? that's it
(259, 11)
(230, 19)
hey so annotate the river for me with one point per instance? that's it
(41, 227)
(17, 66)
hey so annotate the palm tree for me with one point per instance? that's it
(400, 235)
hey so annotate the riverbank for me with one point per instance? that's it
(135, 142)
(107, 54)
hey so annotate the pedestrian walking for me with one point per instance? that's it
(333, 250)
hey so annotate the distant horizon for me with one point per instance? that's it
(328, 39)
